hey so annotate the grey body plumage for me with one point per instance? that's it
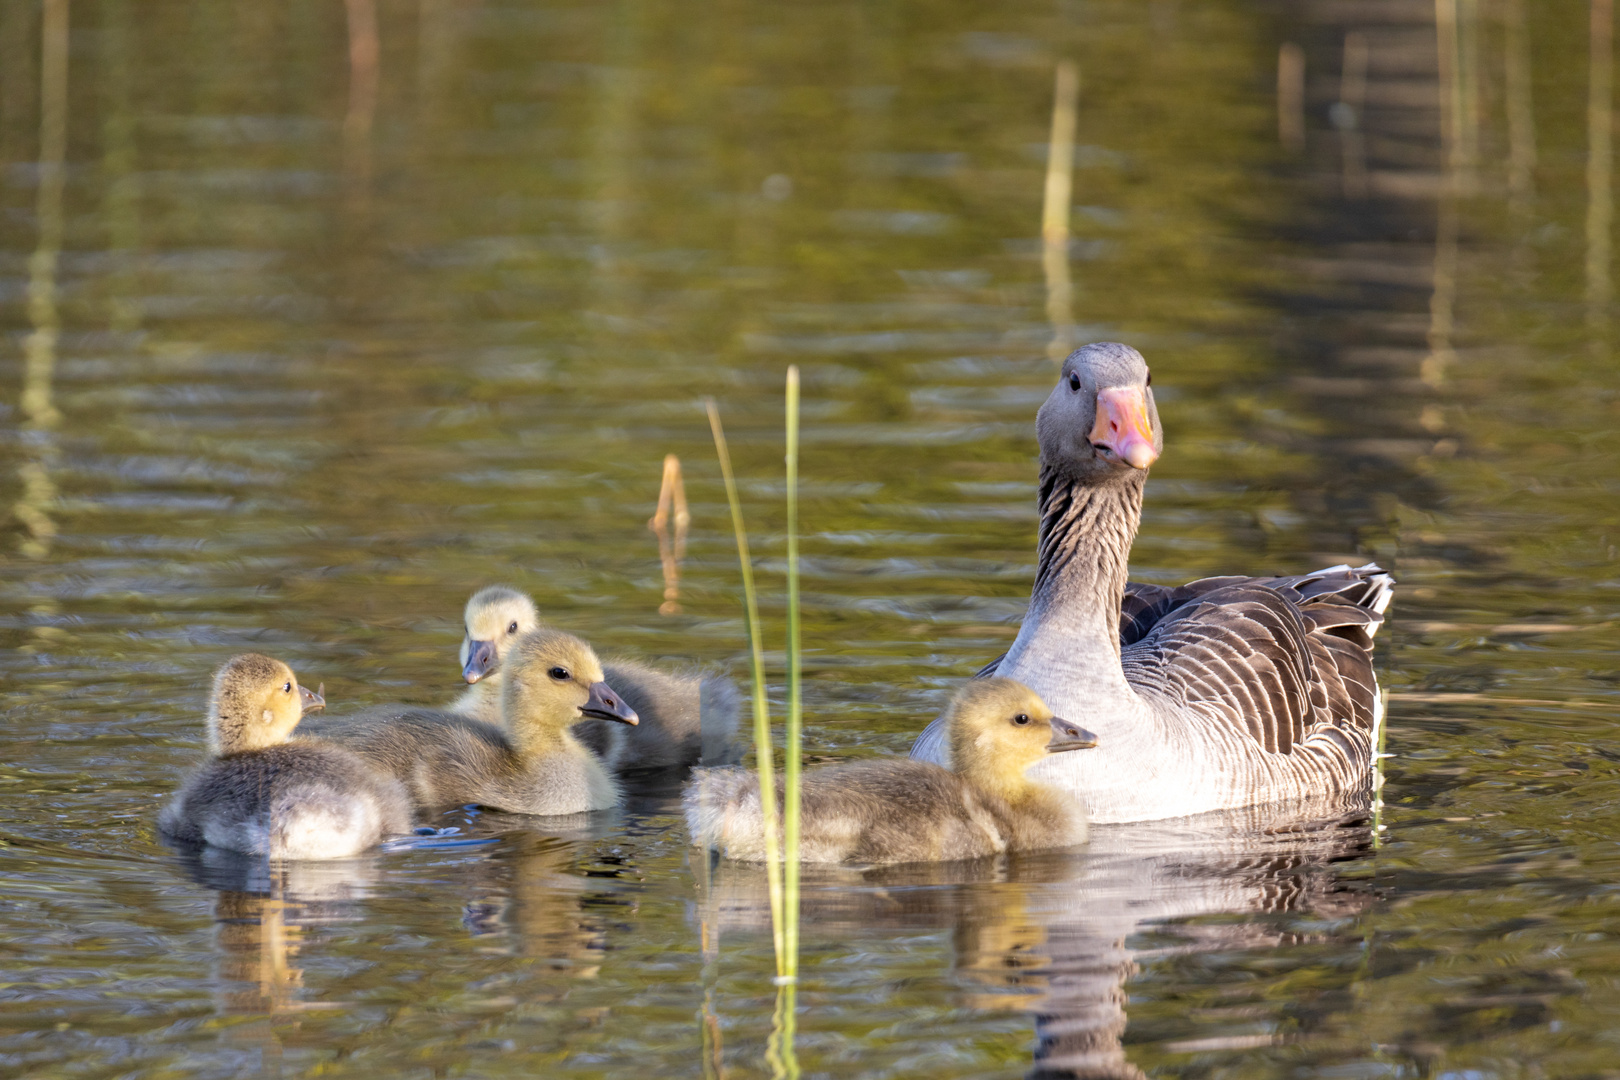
(299, 800)
(264, 795)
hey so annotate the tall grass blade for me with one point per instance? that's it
(763, 752)
(790, 766)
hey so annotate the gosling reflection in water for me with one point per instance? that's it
(1056, 935)
(265, 913)
(529, 899)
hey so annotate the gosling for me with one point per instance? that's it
(902, 810)
(530, 764)
(262, 794)
(686, 719)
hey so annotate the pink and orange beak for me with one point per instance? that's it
(1122, 426)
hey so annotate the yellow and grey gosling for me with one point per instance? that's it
(687, 718)
(265, 795)
(901, 810)
(531, 764)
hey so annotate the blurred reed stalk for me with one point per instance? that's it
(1347, 115)
(1055, 210)
(1291, 96)
(365, 54)
(795, 718)
(40, 417)
(1599, 167)
(762, 720)
(671, 550)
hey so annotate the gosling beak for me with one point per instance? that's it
(311, 700)
(604, 704)
(1123, 429)
(1067, 736)
(480, 660)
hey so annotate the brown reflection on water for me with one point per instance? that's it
(529, 900)
(1059, 935)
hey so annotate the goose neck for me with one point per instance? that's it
(534, 737)
(1084, 552)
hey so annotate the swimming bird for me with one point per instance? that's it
(899, 810)
(1221, 693)
(264, 794)
(687, 718)
(531, 764)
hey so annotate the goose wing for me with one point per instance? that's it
(1143, 606)
(1279, 659)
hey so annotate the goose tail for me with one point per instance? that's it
(723, 812)
(1369, 586)
(316, 822)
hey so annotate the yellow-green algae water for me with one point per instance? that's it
(303, 341)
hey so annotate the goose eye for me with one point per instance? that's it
(1021, 719)
(1074, 382)
(559, 673)
(512, 629)
(286, 688)
(1150, 378)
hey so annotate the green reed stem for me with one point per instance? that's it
(795, 724)
(763, 752)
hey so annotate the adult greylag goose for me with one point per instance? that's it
(687, 718)
(898, 810)
(264, 794)
(1224, 692)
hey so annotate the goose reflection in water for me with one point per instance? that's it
(265, 913)
(529, 899)
(1058, 935)
(524, 897)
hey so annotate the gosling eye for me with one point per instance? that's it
(1021, 719)
(513, 628)
(1074, 383)
(286, 687)
(559, 673)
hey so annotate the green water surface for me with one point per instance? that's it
(299, 348)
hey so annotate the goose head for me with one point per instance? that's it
(256, 702)
(494, 619)
(552, 681)
(1100, 422)
(1000, 727)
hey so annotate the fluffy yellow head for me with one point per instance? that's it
(553, 681)
(256, 702)
(494, 619)
(1000, 727)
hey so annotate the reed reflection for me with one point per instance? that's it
(40, 415)
(1056, 935)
